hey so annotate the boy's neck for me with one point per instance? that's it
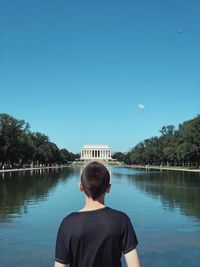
(91, 204)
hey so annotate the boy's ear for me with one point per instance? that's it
(108, 188)
(81, 186)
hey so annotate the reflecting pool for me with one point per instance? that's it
(164, 207)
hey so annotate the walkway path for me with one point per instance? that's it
(35, 168)
(168, 168)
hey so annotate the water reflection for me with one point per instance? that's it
(18, 189)
(166, 238)
(174, 189)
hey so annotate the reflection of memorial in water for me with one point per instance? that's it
(17, 188)
(174, 189)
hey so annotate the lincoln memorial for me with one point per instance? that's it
(96, 152)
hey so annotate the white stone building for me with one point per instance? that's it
(96, 152)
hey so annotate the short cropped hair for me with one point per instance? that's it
(95, 179)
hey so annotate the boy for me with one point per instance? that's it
(96, 236)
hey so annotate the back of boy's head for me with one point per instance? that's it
(95, 179)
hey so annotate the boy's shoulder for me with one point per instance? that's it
(117, 212)
(76, 215)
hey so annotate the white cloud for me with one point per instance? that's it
(141, 106)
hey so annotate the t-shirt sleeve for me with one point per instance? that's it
(62, 248)
(129, 240)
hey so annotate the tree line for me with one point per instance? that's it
(174, 147)
(19, 146)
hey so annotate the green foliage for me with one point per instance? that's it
(189, 141)
(119, 156)
(18, 145)
(64, 155)
(173, 147)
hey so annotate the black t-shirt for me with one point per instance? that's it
(95, 238)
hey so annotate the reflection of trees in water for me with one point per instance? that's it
(175, 189)
(18, 188)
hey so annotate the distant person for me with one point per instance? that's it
(96, 236)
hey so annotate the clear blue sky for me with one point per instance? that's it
(77, 70)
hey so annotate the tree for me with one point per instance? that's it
(128, 158)
(12, 138)
(18, 145)
(189, 144)
(169, 140)
(167, 130)
(64, 156)
(173, 147)
(119, 156)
